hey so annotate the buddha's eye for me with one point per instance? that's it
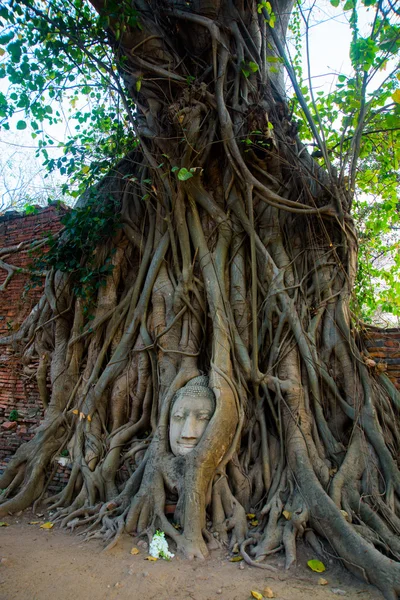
(178, 417)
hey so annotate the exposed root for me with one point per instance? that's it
(255, 563)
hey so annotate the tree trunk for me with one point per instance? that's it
(236, 258)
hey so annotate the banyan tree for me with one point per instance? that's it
(228, 261)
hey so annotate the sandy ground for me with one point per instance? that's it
(56, 565)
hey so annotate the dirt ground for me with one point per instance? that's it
(39, 564)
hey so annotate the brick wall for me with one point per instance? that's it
(18, 390)
(384, 347)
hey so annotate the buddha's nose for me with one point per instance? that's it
(189, 428)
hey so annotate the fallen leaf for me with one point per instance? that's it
(287, 515)
(151, 558)
(254, 522)
(47, 525)
(346, 515)
(33, 522)
(250, 515)
(256, 595)
(236, 559)
(268, 593)
(75, 411)
(3, 524)
(316, 565)
(322, 581)
(135, 551)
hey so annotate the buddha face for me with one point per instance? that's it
(189, 419)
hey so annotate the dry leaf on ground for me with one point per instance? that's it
(322, 581)
(47, 525)
(135, 550)
(256, 595)
(268, 593)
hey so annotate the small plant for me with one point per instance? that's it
(14, 415)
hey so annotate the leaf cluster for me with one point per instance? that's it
(359, 121)
(59, 65)
(86, 228)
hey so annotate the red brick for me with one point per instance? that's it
(9, 425)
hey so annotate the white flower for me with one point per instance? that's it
(159, 546)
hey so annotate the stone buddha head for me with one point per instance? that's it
(192, 409)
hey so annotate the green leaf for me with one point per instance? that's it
(396, 96)
(272, 20)
(184, 174)
(316, 565)
(253, 66)
(21, 125)
(335, 3)
(265, 5)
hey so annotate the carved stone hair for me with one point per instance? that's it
(198, 386)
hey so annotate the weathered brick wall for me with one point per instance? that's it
(18, 389)
(384, 347)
